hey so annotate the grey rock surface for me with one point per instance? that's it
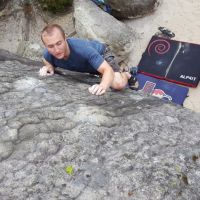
(122, 145)
(93, 23)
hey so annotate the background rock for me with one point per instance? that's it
(3, 4)
(30, 50)
(121, 145)
(91, 22)
(21, 23)
(132, 8)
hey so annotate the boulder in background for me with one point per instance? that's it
(132, 8)
(93, 23)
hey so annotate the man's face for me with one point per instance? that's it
(56, 44)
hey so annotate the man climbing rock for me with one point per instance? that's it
(87, 56)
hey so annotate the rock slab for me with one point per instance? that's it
(122, 145)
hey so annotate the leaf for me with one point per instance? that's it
(69, 170)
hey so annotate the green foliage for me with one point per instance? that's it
(55, 5)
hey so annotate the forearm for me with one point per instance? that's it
(107, 79)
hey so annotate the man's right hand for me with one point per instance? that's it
(97, 89)
(46, 71)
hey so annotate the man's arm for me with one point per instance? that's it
(106, 81)
(47, 69)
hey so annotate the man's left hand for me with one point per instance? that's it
(97, 89)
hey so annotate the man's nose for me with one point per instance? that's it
(56, 49)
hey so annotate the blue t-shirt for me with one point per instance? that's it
(85, 56)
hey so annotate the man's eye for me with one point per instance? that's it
(59, 43)
(50, 46)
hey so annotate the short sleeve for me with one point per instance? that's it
(94, 58)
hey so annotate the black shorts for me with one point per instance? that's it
(110, 58)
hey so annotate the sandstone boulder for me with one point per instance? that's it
(92, 22)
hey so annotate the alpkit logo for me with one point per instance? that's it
(192, 78)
